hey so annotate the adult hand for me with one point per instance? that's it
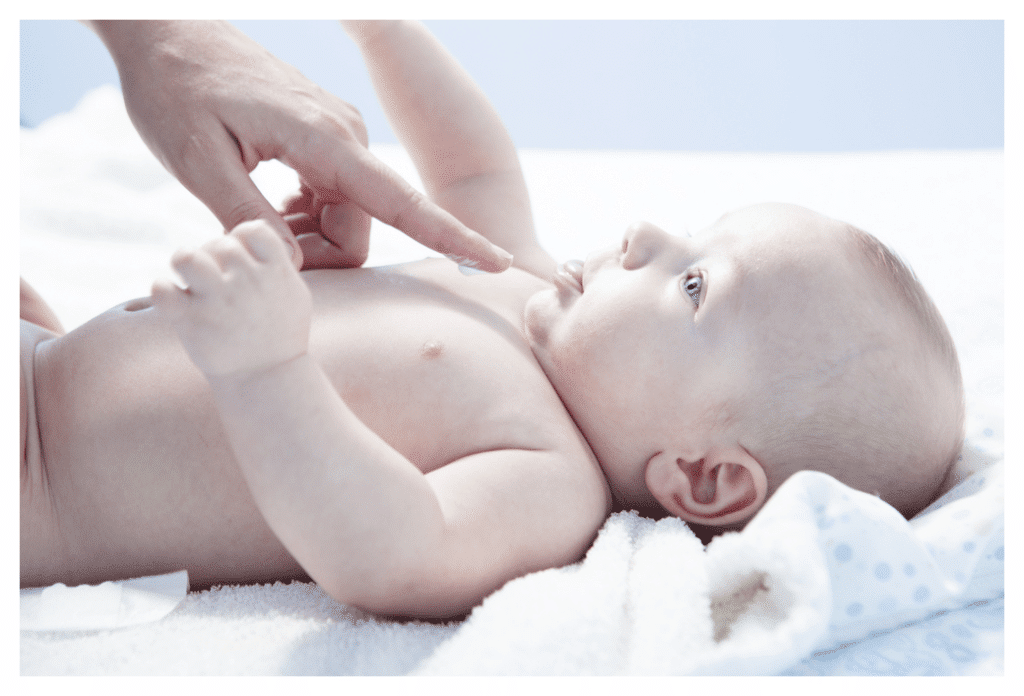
(212, 104)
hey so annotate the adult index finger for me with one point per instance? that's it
(222, 183)
(385, 195)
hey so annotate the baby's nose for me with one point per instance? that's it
(641, 243)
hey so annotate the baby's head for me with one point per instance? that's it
(704, 370)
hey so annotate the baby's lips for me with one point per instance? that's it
(570, 273)
(575, 269)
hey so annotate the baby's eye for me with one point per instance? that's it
(692, 286)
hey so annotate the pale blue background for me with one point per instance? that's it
(665, 85)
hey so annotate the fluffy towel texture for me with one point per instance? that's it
(825, 580)
(806, 575)
(819, 565)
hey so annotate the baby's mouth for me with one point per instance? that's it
(570, 273)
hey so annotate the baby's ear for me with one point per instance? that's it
(725, 486)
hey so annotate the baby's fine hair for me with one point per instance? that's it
(871, 423)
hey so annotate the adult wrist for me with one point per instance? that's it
(129, 38)
(133, 41)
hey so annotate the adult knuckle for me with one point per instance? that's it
(244, 212)
(356, 124)
(343, 124)
(325, 124)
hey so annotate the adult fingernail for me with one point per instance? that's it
(468, 266)
(504, 259)
(507, 258)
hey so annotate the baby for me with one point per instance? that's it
(411, 438)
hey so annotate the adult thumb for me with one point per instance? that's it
(233, 198)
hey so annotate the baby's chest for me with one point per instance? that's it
(438, 382)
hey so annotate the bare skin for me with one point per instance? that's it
(212, 104)
(395, 439)
(138, 477)
(409, 437)
(391, 433)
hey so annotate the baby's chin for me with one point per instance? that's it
(545, 322)
(538, 317)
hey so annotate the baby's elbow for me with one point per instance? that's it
(406, 597)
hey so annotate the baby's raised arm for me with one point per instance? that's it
(459, 145)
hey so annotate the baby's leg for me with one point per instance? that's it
(40, 548)
(35, 310)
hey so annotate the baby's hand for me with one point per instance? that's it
(245, 307)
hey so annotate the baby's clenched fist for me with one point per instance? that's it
(244, 306)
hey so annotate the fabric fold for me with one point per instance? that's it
(112, 604)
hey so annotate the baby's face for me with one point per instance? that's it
(651, 344)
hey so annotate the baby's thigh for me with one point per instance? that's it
(33, 308)
(31, 336)
(37, 515)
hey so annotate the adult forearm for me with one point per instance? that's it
(123, 37)
(358, 516)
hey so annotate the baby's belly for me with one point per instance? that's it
(142, 478)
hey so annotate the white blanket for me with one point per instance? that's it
(825, 580)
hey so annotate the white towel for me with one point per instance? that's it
(820, 564)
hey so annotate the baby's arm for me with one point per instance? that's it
(359, 517)
(464, 155)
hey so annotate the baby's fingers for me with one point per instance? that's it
(262, 242)
(197, 268)
(169, 299)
